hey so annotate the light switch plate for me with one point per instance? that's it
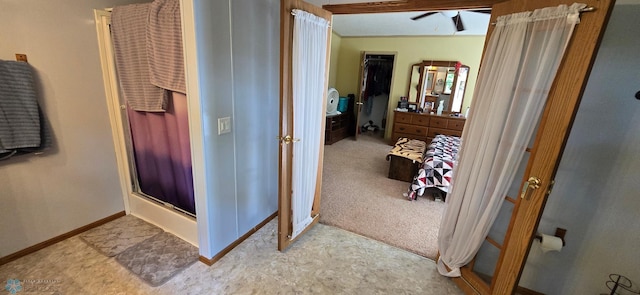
(224, 125)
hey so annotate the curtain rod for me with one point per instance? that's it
(586, 9)
(293, 12)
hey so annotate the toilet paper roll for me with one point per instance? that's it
(550, 243)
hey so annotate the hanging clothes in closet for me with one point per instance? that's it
(149, 60)
(377, 77)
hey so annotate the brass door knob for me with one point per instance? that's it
(533, 183)
(287, 139)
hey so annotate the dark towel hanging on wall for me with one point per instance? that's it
(22, 128)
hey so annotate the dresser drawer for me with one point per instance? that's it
(455, 124)
(403, 118)
(410, 129)
(421, 120)
(436, 131)
(438, 122)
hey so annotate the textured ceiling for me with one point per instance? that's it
(401, 24)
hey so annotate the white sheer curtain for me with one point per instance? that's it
(309, 68)
(517, 71)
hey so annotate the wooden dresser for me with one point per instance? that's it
(424, 126)
(337, 127)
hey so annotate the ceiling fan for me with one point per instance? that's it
(457, 20)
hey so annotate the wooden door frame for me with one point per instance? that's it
(555, 125)
(357, 104)
(285, 226)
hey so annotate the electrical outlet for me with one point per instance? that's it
(224, 125)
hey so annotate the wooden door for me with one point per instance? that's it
(357, 106)
(547, 145)
(285, 226)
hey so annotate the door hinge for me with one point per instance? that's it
(551, 183)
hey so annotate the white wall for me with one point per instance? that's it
(237, 59)
(76, 181)
(596, 195)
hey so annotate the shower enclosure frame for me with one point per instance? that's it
(162, 214)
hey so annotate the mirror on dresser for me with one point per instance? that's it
(432, 81)
(414, 84)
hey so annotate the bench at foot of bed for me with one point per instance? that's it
(405, 159)
(402, 168)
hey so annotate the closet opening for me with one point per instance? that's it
(376, 76)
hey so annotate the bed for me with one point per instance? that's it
(436, 169)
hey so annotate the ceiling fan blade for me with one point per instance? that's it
(457, 21)
(482, 10)
(424, 15)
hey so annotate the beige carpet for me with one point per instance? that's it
(358, 196)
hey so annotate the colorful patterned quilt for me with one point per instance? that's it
(437, 168)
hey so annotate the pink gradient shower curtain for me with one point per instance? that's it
(162, 152)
